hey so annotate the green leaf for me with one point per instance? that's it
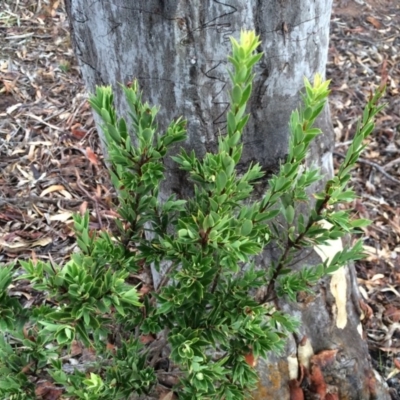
(312, 133)
(254, 59)
(182, 233)
(131, 297)
(308, 113)
(221, 181)
(231, 123)
(242, 123)
(246, 228)
(147, 135)
(317, 110)
(241, 74)
(122, 128)
(113, 132)
(208, 222)
(105, 115)
(236, 94)
(360, 223)
(289, 214)
(246, 94)
(234, 139)
(165, 308)
(249, 248)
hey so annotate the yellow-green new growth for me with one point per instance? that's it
(319, 90)
(248, 43)
(243, 60)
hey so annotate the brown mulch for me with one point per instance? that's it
(51, 164)
(364, 48)
(49, 149)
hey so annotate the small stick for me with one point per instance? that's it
(374, 165)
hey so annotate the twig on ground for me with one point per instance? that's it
(374, 165)
(37, 199)
(391, 163)
(44, 122)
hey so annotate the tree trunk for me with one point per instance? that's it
(178, 52)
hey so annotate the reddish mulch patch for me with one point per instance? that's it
(51, 163)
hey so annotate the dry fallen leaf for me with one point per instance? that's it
(77, 133)
(51, 189)
(251, 360)
(62, 217)
(45, 390)
(393, 313)
(41, 242)
(27, 368)
(111, 347)
(14, 245)
(167, 396)
(91, 156)
(145, 339)
(366, 311)
(76, 348)
(373, 21)
(144, 290)
(83, 207)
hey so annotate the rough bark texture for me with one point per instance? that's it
(177, 49)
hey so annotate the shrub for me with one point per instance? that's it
(201, 315)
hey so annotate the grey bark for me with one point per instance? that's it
(178, 51)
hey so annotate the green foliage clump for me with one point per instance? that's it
(202, 315)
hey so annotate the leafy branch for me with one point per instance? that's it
(204, 325)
